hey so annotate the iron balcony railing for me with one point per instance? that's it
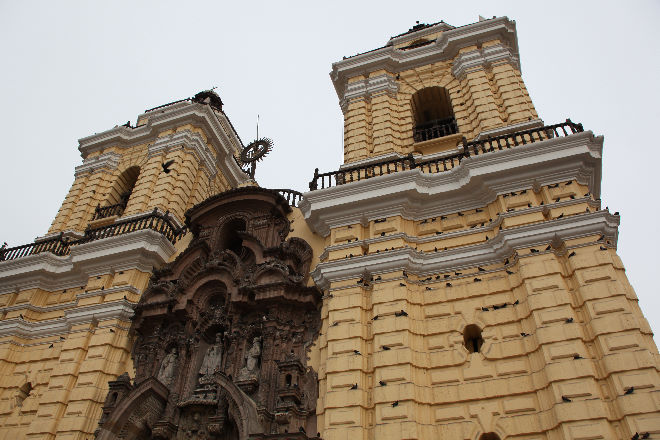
(292, 197)
(438, 165)
(435, 129)
(108, 211)
(61, 245)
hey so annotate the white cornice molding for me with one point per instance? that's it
(122, 310)
(446, 47)
(190, 141)
(369, 87)
(474, 183)
(513, 128)
(480, 59)
(502, 246)
(215, 125)
(143, 250)
(106, 161)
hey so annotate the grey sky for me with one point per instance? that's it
(71, 69)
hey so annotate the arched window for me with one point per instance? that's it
(433, 114)
(288, 380)
(117, 198)
(489, 436)
(472, 338)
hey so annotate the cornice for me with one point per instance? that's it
(480, 59)
(409, 36)
(142, 250)
(446, 47)
(474, 183)
(502, 246)
(122, 310)
(106, 161)
(513, 128)
(224, 141)
(187, 140)
(368, 87)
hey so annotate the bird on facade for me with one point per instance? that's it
(481, 269)
(484, 309)
(301, 429)
(354, 387)
(565, 399)
(458, 273)
(516, 302)
(375, 317)
(382, 383)
(629, 390)
(385, 347)
(572, 254)
(356, 352)
(557, 199)
(523, 334)
(50, 346)
(395, 403)
(400, 313)
(509, 272)
(477, 280)
(569, 320)
(646, 435)
(402, 284)
(448, 284)
(112, 331)
(166, 166)
(548, 248)
(603, 248)
(635, 436)
(533, 251)
(577, 356)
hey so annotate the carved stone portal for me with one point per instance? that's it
(222, 333)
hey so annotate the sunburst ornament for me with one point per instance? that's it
(254, 152)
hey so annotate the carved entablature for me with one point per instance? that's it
(222, 333)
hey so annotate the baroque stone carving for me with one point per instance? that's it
(222, 333)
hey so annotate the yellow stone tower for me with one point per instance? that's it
(471, 282)
(66, 300)
(469, 277)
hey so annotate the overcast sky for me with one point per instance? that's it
(71, 69)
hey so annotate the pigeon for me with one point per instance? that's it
(50, 346)
(448, 284)
(565, 399)
(458, 274)
(375, 317)
(523, 334)
(395, 403)
(516, 302)
(534, 251)
(400, 313)
(166, 166)
(635, 436)
(548, 248)
(385, 347)
(646, 435)
(561, 215)
(506, 261)
(572, 254)
(112, 331)
(301, 429)
(354, 387)
(484, 309)
(629, 390)
(569, 320)
(382, 383)
(603, 248)
(476, 280)
(569, 182)
(577, 356)
(509, 272)
(481, 269)
(356, 352)
(402, 284)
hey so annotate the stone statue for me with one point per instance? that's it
(252, 360)
(167, 367)
(213, 357)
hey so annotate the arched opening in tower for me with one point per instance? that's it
(472, 338)
(433, 114)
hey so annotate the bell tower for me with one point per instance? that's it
(472, 288)
(431, 86)
(176, 155)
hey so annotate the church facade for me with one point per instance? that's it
(455, 278)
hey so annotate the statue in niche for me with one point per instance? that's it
(252, 360)
(167, 367)
(212, 358)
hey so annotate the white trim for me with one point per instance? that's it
(122, 310)
(225, 142)
(502, 246)
(520, 126)
(106, 161)
(444, 48)
(474, 183)
(366, 88)
(143, 250)
(479, 59)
